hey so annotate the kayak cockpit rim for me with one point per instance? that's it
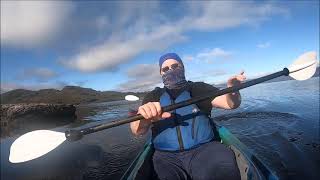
(249, 165)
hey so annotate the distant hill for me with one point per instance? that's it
(78, 95)
(68, 95)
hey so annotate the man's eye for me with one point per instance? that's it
(174, 66)
(165, 69)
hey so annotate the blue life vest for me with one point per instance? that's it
(187, 127)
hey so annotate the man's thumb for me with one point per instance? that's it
(165, 115)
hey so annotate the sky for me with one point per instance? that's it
(115, 45)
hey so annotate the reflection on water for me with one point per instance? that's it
(102, 155)
(278, 121)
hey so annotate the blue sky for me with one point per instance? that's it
(116, 45)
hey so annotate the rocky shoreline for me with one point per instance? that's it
(22, 118)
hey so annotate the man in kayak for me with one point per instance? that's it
(184, 138)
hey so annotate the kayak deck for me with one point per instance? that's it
(250, 166)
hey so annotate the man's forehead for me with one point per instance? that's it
(170, 61)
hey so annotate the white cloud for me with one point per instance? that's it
(207, 74)
(218, 15)
(200, 66)
(102, 22)
(112, 53)
(188, 58)
(210, 55)
(144, 70)
(31, 24)
(8, 87)
(145, 77)
(39, 74)
(152, 30)
(264, 45)
(142, 77)
(116, 32)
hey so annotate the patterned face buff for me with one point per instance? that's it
(174, 78)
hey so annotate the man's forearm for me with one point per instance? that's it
(234, 99)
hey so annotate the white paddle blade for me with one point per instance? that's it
(34, 144)
(131, 98)
(304, 67)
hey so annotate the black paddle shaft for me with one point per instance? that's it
(74, 135)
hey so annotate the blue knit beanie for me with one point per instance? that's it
(169, 56)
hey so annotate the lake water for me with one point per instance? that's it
(277, 121)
